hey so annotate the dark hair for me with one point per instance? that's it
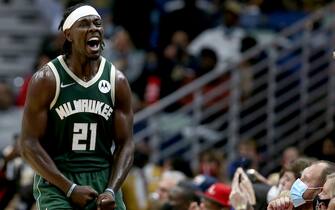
(247, 43)
(209, 53)
(186, 192)
(67, 45)
(298, 166)
(182, 165)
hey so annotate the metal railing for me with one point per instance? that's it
(21, 33)
(290, 102)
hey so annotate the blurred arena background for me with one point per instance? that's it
(216, 84)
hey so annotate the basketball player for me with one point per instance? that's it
(78, 108)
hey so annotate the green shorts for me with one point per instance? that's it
(49, 197)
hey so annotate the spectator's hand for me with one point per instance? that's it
(106, 201)
(246, 187)
(243, 192)
(82, 195)
(238, 200)
(194, 206)
(281, 203)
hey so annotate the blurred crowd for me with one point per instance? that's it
(215, 183)
(162, 45)
(207, 182)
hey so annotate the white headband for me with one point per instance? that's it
(77, 14)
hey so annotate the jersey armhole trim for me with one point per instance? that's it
(112, 81)
(36, 186)
(55, 72)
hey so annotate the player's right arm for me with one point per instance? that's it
(41, 92)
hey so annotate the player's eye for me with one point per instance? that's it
(98, 22)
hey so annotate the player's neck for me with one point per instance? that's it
(83, 67)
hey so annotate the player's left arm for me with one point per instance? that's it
(123, 136)
(123, 133)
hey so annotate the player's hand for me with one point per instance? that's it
(281, 203)
(82, 195)
(106, 201)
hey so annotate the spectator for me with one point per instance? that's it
(10, 116)
(179, 164)
(203, 182)
(189, 19)
(304, 189)
(180, 198)
(199, 184)
(225, 39)
(251, 17)
(21, 97)
(176, 66)
(211, 164)
(125, 56)
(9, 174)
(247, 157)
(6, 97)
(148, 87)
(134, 16)
(247, 43)
(207, 61)
(322, 200)
(153, 174)
(290, 154)
(288, 175)
(328, 149)
(215, 198)
(128, 59)
(20, 175)
(242, 196)
(169, 179)
(135, 187)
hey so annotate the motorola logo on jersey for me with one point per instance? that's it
(104, 86)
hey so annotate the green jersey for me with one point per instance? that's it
(79, 133)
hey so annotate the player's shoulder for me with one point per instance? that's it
(121, 80)
(120, 76)
(122, 89)
(44, 76)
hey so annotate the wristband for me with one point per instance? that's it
(110, 191)
(69, 192)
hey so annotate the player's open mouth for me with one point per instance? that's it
(93, 44)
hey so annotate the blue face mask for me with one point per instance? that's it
(297, 191)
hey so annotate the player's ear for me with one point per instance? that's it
(67, 35)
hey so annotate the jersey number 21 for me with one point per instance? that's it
(80, 136)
